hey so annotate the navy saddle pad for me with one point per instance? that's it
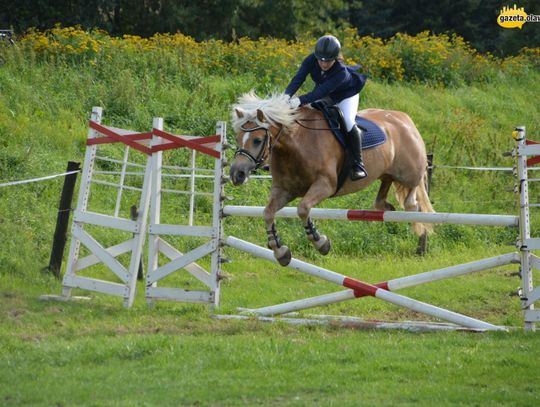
(372, 134)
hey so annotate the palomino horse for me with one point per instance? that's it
(306, 162)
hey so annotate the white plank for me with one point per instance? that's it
(531, 243)
(532, 149)
(532, 315)
(178, 230)
(178, 294)
(92, 284)
(114, 251)
(533, 296)
(535, 261)
(106, 221)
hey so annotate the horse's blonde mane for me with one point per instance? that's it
(276, 109)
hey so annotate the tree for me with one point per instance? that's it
(474, 20)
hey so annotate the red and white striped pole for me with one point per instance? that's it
(381, 216)
(390, 285)
(365, 288)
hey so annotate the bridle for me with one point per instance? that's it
(266, 147)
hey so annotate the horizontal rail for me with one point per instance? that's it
(352, 322)
(382, 216)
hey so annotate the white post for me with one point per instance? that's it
(155, 201)
(192, 187)
(138, 245)
(217, 222)
(122, 180)
(84, 195)
(524, 228)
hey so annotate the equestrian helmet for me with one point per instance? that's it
(327, 48)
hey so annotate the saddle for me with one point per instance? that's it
(334, 117)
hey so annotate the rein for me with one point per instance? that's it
(266, 148)
(330, 126)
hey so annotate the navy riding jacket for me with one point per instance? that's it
(339, 82)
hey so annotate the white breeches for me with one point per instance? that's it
(349, 107)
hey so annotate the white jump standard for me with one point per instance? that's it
(97, 135)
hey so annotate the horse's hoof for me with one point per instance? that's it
(323, 245)
(283, 255)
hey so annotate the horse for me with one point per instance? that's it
(306, 162)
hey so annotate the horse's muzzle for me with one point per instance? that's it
(238, 177)
(239, 173)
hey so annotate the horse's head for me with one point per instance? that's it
(258, 124)
(253, 140)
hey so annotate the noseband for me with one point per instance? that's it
(266, 147)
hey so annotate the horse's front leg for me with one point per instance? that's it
(380, 201)
(278, 199)
(319, 191)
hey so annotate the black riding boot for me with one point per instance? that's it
(358, 170)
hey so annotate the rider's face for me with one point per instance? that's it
(326, 65)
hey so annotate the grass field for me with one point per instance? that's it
(97, 353)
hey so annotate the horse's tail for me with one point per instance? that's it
(423, 201)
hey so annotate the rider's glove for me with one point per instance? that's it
(294, 103)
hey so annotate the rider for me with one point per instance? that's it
(338, 82)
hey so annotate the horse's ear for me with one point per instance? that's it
(260, 116)
(239, 113)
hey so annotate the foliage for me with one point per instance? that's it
(204, 20)
(474, 20)
(228, 20)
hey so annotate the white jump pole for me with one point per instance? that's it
(381, 216)
(391, 285)
(362, 287)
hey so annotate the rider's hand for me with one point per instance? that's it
(294, 103)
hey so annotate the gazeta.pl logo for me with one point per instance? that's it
(515, 17)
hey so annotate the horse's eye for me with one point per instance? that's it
(257, 142)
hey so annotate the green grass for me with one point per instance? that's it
(98, 353)
(293, 368)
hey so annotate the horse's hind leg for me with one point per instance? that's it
(411, 204)
(278, 199)
(317, 192)
(380, 201)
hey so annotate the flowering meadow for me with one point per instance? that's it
(439, 60)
